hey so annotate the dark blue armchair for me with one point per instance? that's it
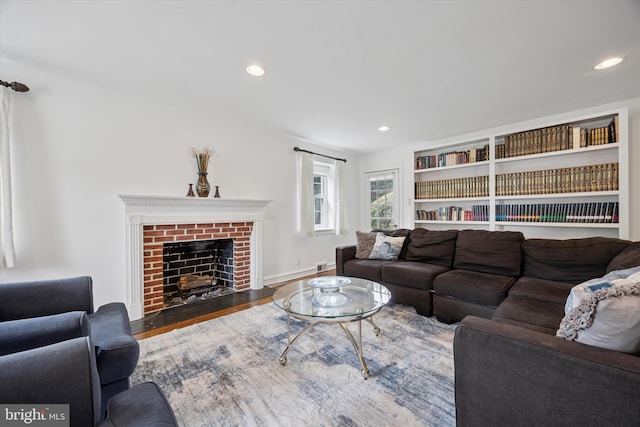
(66, 373)
(39, 313)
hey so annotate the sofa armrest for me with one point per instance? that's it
(344, 254)
(45, 297)
(507, 375)
(24, 334)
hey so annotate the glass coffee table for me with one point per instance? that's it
(332, 300)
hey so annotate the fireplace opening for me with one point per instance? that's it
(196, 270)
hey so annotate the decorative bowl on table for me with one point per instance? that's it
(326, 291)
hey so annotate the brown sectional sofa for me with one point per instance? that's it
(509, 293)
(490, 274)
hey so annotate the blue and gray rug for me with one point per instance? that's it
(225, 372)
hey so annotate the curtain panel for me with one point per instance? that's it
(340, 202)
(304, 178)
(7, 250)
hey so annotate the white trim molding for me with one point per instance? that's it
(151, 210)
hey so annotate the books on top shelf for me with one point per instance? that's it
(454, 213)
(589, 212)
(452, 158)
(556, 138)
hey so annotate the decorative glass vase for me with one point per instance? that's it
(203, 187)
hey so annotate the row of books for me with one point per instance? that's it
(602, 177)
(593, 212)
(451, 158)
(556, 138)
(455, 213)
(475, 186)
(599, 136)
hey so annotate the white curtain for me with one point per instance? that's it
(340, 203)
(7, 250)
(304, 165)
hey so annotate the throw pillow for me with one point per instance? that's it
(387, 247)
(364, 244)
(605, 312)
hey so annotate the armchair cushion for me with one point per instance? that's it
(45, 297)
(142, 405)
(60, 373)
(25, 334)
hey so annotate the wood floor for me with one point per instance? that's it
(189, 314)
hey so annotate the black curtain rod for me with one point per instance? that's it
(318, 154)
(18, 87)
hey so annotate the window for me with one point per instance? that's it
(322, 191)
(382, 199)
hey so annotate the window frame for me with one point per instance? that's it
(380, 175)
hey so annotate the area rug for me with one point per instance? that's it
(225, 372)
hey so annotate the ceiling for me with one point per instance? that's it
(336, 70)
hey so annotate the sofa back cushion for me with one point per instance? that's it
(628, 258)
(571, 260)
(494, 252)
(432, 246)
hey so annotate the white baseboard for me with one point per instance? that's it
(284, 277)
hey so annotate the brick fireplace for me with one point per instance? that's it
(151, 221)
(154, 239)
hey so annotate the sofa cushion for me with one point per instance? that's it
(472, 286)
(432, 246)
(387, 247)
(364, 244)
(605, 312)
(535, 312)
(541, 289)
(571, 260)
(370, 269)
(412, 274)
(494, 252)
(628, 258)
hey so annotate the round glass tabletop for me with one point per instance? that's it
(332, 297)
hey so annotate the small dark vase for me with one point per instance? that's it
(217, 195)
(190, 193)
(202, 187)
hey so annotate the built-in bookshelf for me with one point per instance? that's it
(548, 177)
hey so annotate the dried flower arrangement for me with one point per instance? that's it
(202, 156)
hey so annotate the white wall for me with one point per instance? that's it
(77, 146)
(403, 159)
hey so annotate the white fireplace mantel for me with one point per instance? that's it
(150, 210)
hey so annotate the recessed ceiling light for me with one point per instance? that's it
(255, 70)
(383, 128)
(608, 63)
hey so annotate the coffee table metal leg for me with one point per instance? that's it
(283, 357)
(356, 347)
(376, 329)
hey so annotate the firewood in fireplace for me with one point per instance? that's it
(191, 281)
